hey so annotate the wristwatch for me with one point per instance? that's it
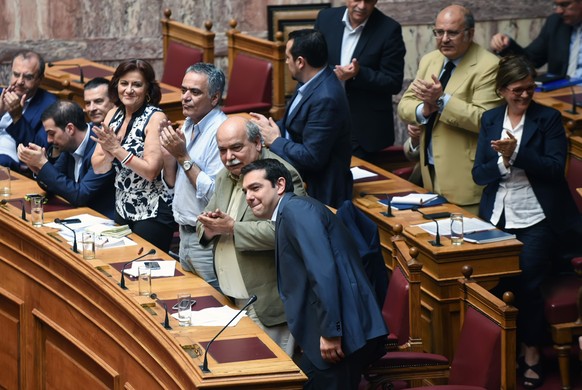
(186, 165)
(441, 103)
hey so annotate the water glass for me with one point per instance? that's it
(88, 241)
(5, 181)
(184, 308)
(144, 277)
(456, 228)
(36, 211)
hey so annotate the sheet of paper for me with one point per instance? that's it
(214, 316)
(417, 199)
(360, 173)
(470, 225)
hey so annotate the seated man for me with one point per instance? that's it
(330, 306)
(72, 176)
(21, 105)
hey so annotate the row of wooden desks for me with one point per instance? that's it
(65, 322)
(65, 75)
(441, 265)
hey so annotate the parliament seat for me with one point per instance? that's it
(486, 352)
(255, 74)
(183, 46)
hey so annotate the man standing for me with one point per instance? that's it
(192, 162)
(454, 85)
(314, 134)
(244, 246)
(330, 306)
(97, 101)
(72, 176)
(557, 45)
(366, 50)
(21, 105)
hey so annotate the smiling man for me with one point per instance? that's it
(454, 85)
(558, 43)
(244, 246)
(330, 306)
(21, 105)
(97, 100)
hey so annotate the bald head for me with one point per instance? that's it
(239, 143)
(454, 29)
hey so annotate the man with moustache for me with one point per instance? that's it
(21, 105)
(454, 85)
(244, 246)
(558, 43)
(191, 162)
(97, 100)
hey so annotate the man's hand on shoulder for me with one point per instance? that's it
(269, 129)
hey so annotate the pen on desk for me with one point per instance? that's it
(140, 251)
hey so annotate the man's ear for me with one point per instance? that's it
(281, 184)
(70, 128)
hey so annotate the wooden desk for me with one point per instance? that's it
(65, 323)
(561, 100)
(60, 77)
(441, 265)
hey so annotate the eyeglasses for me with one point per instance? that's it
(563, 5)
(451, 33)
(519, 91)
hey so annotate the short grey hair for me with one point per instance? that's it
(216, 79)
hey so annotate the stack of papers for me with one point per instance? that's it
(359, 173)
(214, 316)
(116, 231)
(416, 199)
(470, 225)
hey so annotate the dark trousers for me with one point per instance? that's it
(345, 375)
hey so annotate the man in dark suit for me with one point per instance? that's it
(555, 45)
(314, 134)
(72, 175)
(330, 306)
(21, 105)
(366, 51)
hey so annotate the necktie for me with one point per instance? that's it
(444, 79)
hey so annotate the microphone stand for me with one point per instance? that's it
(122, 281)
(204, 366)
(81, 75)
(388, 212)
(437, 238)
(60, 222)
(23, 216)
(574, 103)
(166, 322)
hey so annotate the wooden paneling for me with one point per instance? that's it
(10, 340)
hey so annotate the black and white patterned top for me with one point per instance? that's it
(136, 198)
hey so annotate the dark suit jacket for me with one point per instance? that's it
(380, 53)
(542, 154)
(29, 128)
(552, 46)
(92, 190)
(319, 145)
(321, 279)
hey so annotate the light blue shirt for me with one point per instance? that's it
(80, 152)
(189, 202)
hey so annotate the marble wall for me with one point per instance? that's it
(108, 31)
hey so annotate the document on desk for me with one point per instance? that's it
(167, 268)
(214, 316)
(360, 173)
(415, 199)
(470, 225)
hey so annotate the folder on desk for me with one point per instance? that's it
(487, 236)
(438, 200)
(557, 84)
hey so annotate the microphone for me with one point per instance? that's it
(122, 281)
(166, 322)
(437, 238)
(388, 212)
(574, 103)
(63, 223)
(81, 75)
(23, 216)
(204, 366)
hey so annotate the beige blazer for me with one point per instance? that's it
(455, 133)
(254, 242)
